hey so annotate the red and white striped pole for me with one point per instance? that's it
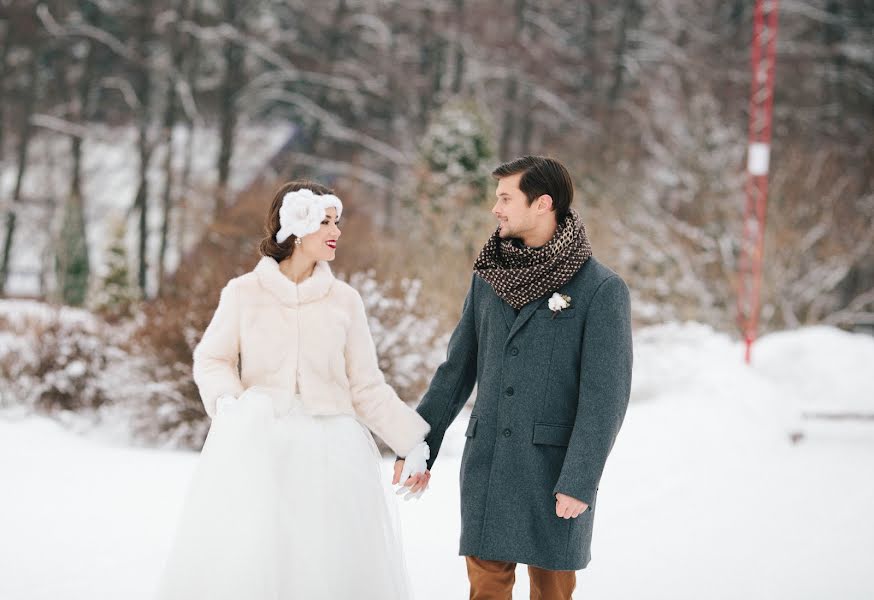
(758, 158)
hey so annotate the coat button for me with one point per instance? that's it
(507, 433)
(514, 351)
(510, 391)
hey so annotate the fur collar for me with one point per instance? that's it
(290, 293)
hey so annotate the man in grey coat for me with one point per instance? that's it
(545, 335)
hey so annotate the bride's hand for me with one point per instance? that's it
(416, 461)
(224, 403)
(415, 485)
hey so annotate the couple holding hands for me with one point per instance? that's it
(288, 500)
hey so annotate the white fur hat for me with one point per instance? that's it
(303, 211)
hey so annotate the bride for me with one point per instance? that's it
(287, 500)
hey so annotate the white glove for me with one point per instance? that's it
(224, 403)
(416, 462)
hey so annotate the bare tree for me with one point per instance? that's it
(231, 82)
(178, 43)
(335, 33)
(31, 96)
(458, 47)
(511, 91)
(630, 16)
(4, 53)
(72, 266)
(142, 87)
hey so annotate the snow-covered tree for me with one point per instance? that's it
(116, 295)
(457, 154)
(71, 263)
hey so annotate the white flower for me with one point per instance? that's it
(303, 211)
(558, 302)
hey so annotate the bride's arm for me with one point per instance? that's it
(375, 402)
(216, 357)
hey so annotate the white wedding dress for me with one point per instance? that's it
(285, 505)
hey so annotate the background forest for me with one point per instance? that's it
(140, 143)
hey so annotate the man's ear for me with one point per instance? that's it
(544, 204)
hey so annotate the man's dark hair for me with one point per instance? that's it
(541, 175)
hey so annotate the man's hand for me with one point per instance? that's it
(567, 507)
(416, 483)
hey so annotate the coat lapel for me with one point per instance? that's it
(526, 313)
(508, 313)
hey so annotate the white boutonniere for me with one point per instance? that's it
(558, 302)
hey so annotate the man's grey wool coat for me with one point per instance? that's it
(551, 396)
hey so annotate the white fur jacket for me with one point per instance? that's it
(314, 335)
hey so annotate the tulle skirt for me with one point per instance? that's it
(284, 505)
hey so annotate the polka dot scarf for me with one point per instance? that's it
(520, 274)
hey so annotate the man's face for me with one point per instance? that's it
(514, 215)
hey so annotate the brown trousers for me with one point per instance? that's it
(493, 580)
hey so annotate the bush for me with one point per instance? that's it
(52, 357)
(409, 341)
(58, 360)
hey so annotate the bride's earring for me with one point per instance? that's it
(297, 242)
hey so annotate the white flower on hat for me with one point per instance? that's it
(303, 211)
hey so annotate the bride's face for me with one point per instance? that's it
(322, 244)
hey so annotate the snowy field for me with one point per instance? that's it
(704, 497)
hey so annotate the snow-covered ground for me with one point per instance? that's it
(704, 496)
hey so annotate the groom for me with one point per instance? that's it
(545, 334)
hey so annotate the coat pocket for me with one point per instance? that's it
(550, 434)
(545, 313)
(471, 428)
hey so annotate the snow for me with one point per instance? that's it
(704, 496)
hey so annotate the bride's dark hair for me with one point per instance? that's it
(269, 246)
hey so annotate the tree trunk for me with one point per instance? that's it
(233, 54)
(166, 195)
(192, 56)
(141, 207)
(458, 72)
(23, 144)
(438, 75)
(619, 53)
(72, 265)
(521, 5)
(71, 261)
(4, 52)
(527, 122)
(335, 43)
(589, 78)
(738, 16)
(397, 123)
(432, 54)
(834, 35)
(142, 87)
(177, 44)
(511, 94)
(509, 125)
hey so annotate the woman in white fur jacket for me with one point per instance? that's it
(287, 500)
